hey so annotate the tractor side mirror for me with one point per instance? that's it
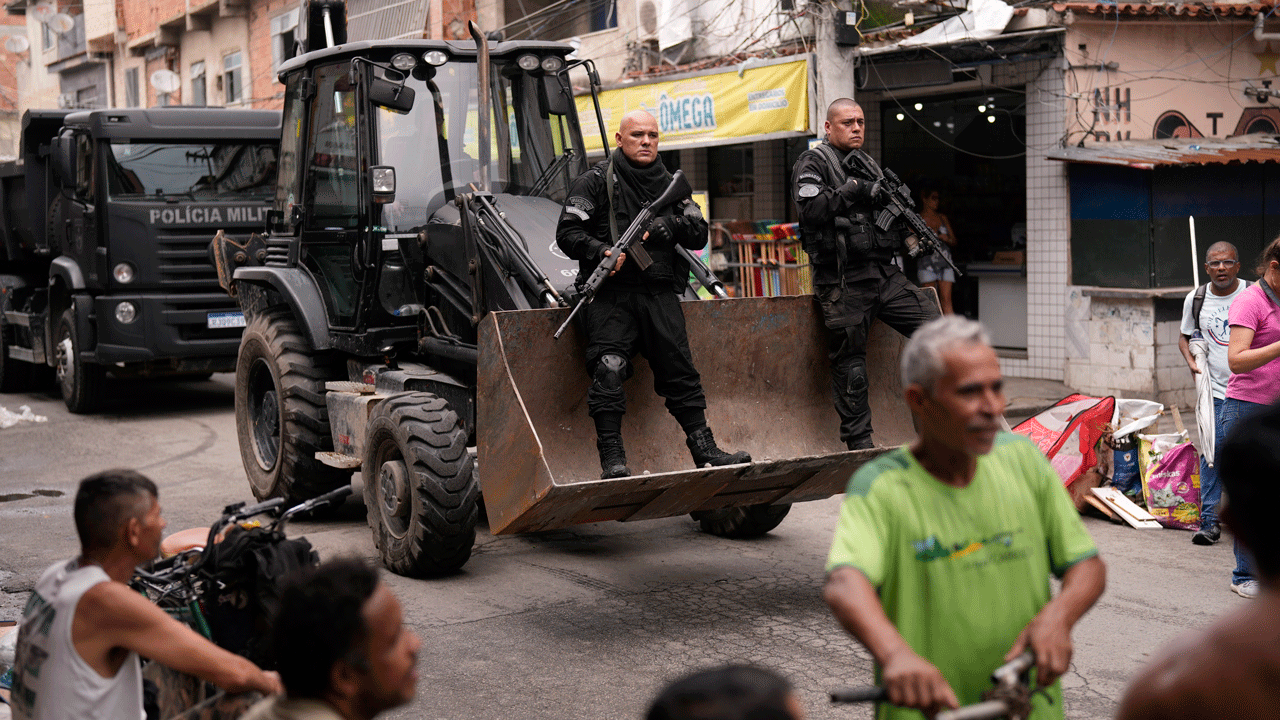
(559, 102)
(383, 180)
(391, 95)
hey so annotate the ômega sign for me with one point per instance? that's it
(710, 109)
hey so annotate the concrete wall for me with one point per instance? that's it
(1131, 349)
(224, 37)
(1188, 76)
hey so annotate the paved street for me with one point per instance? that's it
(573, 624)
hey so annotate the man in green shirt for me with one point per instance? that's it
(941, 560)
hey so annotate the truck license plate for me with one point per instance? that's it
(226, 320)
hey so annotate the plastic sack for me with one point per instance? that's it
(1134, 415)
(1068, 433)
(1171, 484)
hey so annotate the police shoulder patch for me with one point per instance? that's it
(582, 203)
(808, 191)
(809, 176)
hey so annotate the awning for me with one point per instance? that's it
(1148, 154)
(762, 101)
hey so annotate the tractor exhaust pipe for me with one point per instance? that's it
(482, 100)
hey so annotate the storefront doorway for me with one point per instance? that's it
(971, 147)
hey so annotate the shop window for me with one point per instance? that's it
(556, 19)
(199, 85)
(232, 84)
(132, 88)
(1129, 227)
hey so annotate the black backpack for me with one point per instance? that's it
(242, 583)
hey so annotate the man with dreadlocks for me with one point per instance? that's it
(635, 310)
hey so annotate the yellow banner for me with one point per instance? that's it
(709, 108)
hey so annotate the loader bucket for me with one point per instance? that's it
(764, 368)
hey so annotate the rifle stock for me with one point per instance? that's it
(678, 189)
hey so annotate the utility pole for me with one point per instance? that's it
(835, 63)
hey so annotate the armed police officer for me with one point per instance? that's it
(854, 275)
(637, 311)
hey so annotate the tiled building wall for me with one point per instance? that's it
(1048, 227)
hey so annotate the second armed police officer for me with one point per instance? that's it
(854, 275)
(635, 310)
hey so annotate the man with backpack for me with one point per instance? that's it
(1204, 317)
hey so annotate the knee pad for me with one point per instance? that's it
(611, 371)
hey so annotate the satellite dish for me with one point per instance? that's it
(43, 11)
(16, 44)
(165, 81)
(61, 23)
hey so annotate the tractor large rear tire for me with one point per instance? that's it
(741, 523)
(81, 382)
(420, 489)
(281, 418)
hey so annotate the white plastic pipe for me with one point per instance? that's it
(1195, 254)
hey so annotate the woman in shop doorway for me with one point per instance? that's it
(932, 269)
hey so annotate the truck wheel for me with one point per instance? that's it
(281, 419)
(741, 523)
(80, 382)
(419, 486)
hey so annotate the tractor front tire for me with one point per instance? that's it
(80, 382)
(281, 418)
(742, 523)
(420, 489)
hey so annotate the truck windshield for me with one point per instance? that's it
(436, 147)
(199, 170)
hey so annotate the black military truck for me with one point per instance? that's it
(105, 220)
(402, 305)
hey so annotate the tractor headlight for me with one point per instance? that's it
(404, 62)
(126, 312)
(528, 63)
(552, 63)
(435, 57)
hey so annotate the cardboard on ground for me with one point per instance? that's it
(1124, 507)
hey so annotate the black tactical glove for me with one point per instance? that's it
(662, 232)
(858, 191)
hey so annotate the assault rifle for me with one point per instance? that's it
(900, 205)
(678, 189)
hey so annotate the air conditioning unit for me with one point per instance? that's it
(647, 20)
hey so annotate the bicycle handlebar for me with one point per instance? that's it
(869, 693)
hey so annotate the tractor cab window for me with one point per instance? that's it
(287, 180)
(334, 176)
(435, 148)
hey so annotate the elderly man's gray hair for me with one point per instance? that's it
(922, 357)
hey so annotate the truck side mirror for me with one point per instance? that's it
(383, 181)
(64, 159)
(391, 95)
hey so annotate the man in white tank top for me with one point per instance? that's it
(83, 628)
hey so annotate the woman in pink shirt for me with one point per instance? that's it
(1254, 318)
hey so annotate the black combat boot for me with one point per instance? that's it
(613, 458)
(702, 445)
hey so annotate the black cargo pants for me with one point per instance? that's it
(626, 323)
(847, 312)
